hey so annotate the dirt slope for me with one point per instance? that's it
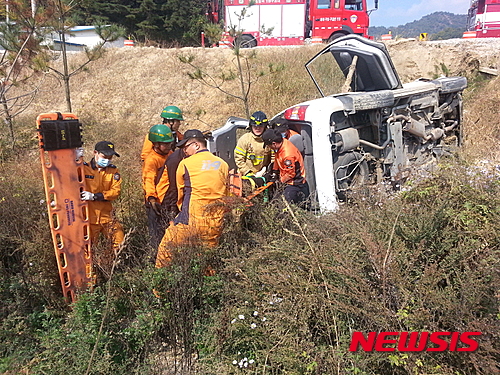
(121, 95)
(415, 59)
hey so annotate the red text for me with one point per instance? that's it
(414, 341)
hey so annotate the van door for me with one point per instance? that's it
(222, 141)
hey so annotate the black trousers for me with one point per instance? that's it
(157, 224)
(296, 194)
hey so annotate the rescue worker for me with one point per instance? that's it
(154, 189)
(172, 117)
(250, 156)
(168, 179)
(102, 186)
(201, 183)
(288, 165)
(291, 135)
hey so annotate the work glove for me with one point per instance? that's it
(87, 196)
(271, 176)
(79, 152)
(155, 206)
(259, 181)
(261, 173)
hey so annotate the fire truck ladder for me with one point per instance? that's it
(61, 155)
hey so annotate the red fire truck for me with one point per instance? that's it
(291, 22)
(484, 19)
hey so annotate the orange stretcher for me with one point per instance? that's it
(61, 156)
(236, 187)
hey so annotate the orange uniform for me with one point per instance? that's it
(155, 183)
(152, 172)
(201, 183)
(290, 164)
(105, 183)
(147, 145)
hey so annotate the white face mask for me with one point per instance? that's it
(103, 162)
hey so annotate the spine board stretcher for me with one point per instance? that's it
(60, 139)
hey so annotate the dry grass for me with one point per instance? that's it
(482, 121)
(133, 85)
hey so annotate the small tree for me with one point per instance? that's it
(61, 26)
(23, 60)
(213, 32)
(244, 70)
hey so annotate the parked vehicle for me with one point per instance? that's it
(377, 131)
(484, 18)
(291, 21)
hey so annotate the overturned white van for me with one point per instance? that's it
(375, 131)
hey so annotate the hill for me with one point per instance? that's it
(432, 24)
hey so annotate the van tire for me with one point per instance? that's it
(335, 36)
(351, 171)
(246, 41)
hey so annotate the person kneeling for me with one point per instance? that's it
(288, 165)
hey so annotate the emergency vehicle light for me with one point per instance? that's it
(296, 113)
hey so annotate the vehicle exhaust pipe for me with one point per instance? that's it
(416, 128)
(349, 140)
(436, 133)
(390, 120)
(449, 128)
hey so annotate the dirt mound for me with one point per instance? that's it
(464, 57)
(414, 59)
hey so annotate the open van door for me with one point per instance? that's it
(223, 141)
(374, 68)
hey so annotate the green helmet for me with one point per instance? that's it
(172, 113)
(160, 133)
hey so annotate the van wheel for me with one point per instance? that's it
(335, 37)
(246, 41)
(351, 171)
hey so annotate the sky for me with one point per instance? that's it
(399, 12)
